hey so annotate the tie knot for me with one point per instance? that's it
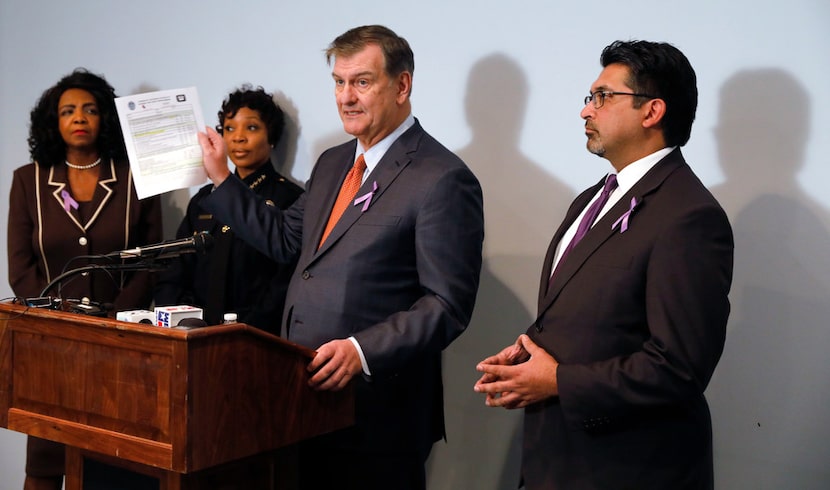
(610, 184)
(360, 164)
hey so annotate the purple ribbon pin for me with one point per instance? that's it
(366, 199)
(626, 216)
(68, 202)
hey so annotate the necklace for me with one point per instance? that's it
(83, 167)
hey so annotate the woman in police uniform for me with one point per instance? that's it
(232, 276)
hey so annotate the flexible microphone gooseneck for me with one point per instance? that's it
(198, 243)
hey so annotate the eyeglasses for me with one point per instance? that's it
(598, 97)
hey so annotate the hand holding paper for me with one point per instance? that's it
(214, 155)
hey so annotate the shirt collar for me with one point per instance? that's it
(374, 154)
(635, 171)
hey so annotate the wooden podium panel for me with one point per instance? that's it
(175, 399)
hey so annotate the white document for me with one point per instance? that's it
(160, 132)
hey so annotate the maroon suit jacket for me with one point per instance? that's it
(43, 236)
(637, 320)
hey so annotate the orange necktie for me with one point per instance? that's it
(347, 192)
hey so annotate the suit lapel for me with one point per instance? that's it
(602, 230)
(331, 189)
(106, 181)
(384, 174)
(59, 181)
(576, 207)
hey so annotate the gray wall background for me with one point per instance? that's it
(502, 83)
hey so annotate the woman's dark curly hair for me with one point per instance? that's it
(47, 147)
(258, 100)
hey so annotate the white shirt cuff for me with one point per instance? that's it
(362, 357)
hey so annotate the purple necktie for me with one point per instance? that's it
(590, 217)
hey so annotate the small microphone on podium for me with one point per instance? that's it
(191, 322)
(198, 243)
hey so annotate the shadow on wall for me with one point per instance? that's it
(523, 205)
(329, 140)
(770, 394)
(173, 208)
(285, 153)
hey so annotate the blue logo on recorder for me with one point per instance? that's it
(163, 318)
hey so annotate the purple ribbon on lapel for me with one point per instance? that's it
(68, 202)
(626, 216)
(366, 199)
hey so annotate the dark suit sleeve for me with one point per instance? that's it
(687, 278)
(276, 233)
(449, 233)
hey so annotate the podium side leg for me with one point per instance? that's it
(74, 479)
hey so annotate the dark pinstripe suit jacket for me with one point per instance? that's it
(401, 276)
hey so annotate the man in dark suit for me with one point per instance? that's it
(382, 290)
(632, 320)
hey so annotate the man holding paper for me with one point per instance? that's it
(382, 289)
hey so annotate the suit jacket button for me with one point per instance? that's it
(82, 241)
(306, 274)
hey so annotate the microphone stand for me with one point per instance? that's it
(157, 262)
(118, 267)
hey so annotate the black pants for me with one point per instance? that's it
(100, 476)
(323, 467)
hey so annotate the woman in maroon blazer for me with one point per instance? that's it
(76, 199)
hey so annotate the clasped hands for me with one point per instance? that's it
(518, 376)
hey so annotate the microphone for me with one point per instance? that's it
(198, 243)
(191, 322)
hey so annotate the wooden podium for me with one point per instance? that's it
(198, 408)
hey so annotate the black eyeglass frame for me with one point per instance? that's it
(598, 97)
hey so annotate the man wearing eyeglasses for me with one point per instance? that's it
(633, 300)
